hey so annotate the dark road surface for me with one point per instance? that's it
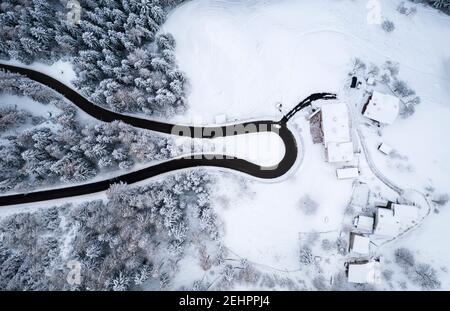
(102, 114)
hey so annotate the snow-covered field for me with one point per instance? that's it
(264, 148)
(26, 103)
(60, 70)
(242, 58)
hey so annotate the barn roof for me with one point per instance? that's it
(340, 152)
(383, 108)
(335, 123)
(364, 272)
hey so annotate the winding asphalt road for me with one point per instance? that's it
(102, 114)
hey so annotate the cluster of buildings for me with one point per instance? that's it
(386, 221)
(331, 125)
(375, 223)
(369, 231)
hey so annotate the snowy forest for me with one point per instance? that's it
(443, 5)
(120, 60)
(41, 151)
(132, 239)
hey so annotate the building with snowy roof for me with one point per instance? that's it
(383, 108)
(385, 148)
(385, 223)
(340, 152)
(364, 273)
(336, 132)
(359, 244)
(335, 123)
(389, 222)
(347, 173)
(364, 224)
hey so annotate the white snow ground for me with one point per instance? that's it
(243, 57)
(60, 70)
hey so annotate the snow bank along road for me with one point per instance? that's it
(216, 160)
